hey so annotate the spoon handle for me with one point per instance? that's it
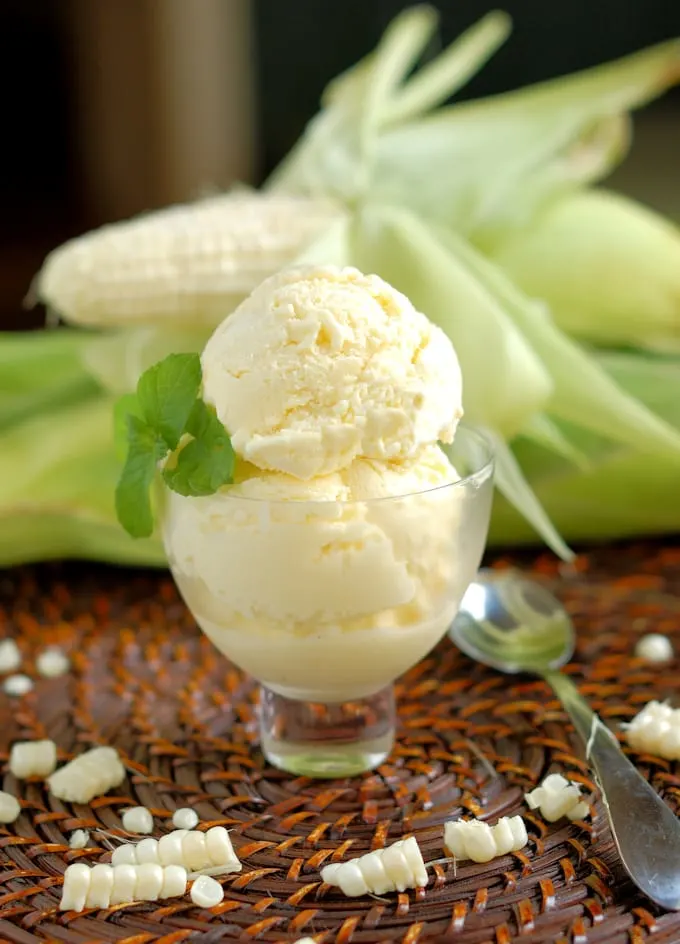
(645, 829)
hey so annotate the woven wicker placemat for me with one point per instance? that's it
(471, 741)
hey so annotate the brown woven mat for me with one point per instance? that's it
(145, 680)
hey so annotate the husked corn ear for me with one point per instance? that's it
(189, 262)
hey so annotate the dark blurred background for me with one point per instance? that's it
(115, 106)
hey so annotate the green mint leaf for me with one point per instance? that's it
(166, 407)
(167, 393)
(207, 462)
(133, 502)
(125, 406)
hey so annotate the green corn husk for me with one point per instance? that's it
(41, 370)
(436, 197)
(608, 269)
(58, 472)
(623, 493)
(488, 162)
(432, 266)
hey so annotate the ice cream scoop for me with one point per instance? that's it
(323, 365)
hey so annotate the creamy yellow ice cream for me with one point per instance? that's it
(324, 583)
(320, 366)
(333, 563)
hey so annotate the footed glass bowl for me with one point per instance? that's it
(327, 602)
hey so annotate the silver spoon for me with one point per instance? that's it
(514, 625)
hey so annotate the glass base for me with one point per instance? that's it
(312, 739)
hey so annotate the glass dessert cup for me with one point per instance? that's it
(325, 603)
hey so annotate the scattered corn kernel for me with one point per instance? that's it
(9, 807)
(52, 662)
(17, 685)
(33, 759)
(87, 776)
(105, 885)
(75, 888)
(138, 820)
(79, 839)
(480, 842)
(10, 656)
(656, 730)
(556, 797)
(394, 868)
(185, 818)
(195, 850)
(206, 892)
(654, 647)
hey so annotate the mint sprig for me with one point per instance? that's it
(154, 421)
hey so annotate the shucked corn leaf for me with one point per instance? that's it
(40, 371)
(623, 492)
(58, 472)
(451, 70)
(501, 337)
(583, 392)
(337, 153)
(487, 162)
(608, 268)
(491, 161)
(492, 352)
(543, 430)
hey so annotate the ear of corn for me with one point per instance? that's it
(477, 210)
(188, 264)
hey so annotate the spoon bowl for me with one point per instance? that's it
(513, 624)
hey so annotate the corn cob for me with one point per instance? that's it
(185, 263)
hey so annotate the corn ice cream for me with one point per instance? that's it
(321, 366)
(333, 563)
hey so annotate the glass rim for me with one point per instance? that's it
(482, 471)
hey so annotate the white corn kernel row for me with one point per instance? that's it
(33, 759)
(480, 842)
(188, 263)
(394, 868)
(656, 730)
(89, 775)
(557, 797)
(106, 885)
(191, 848)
